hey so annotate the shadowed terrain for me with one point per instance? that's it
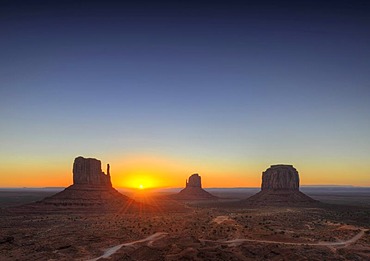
(193, 232)
(90, 220)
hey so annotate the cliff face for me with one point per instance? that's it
(91, 189)
(280, 186)
(195, 181)
(87, 171)
(193, 190)
(280, 177)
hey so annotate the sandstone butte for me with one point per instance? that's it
(193, 190)
(91, 188)
(280, 185)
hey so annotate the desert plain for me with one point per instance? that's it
(162, 229)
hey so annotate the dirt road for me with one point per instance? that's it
(239, 241)
(150, 239)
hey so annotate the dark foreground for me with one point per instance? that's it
(190, 232)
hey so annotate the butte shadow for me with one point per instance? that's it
(91, 190)
(193, 190)
(280, 186)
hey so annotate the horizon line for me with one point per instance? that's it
(150, 188)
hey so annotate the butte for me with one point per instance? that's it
(280, 186)
(193, 190)
(91, 189)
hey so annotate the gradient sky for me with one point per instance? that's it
(161, 90)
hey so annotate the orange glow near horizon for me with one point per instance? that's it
(142, 181)
(148, 171)
(145, 170)
(162, 172)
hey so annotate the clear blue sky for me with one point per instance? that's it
(222, 87)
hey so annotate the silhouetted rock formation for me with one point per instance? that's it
(280, 177)
(194, 181)
(193, 190)
(280, 185)
(88, 172)
(91, 188)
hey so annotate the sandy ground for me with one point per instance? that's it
(187, 231)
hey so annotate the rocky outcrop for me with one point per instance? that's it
(193, 190)
(195, 181)
(91, 189)
(280, 185)
(88, 172)
(280, 177)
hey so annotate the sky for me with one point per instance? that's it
(164, 89)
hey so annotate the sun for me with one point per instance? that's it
(141, 181)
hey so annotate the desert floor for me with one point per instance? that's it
(191, 231)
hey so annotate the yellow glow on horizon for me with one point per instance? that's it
(146, 170)
(141, 181)
(153, 171)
